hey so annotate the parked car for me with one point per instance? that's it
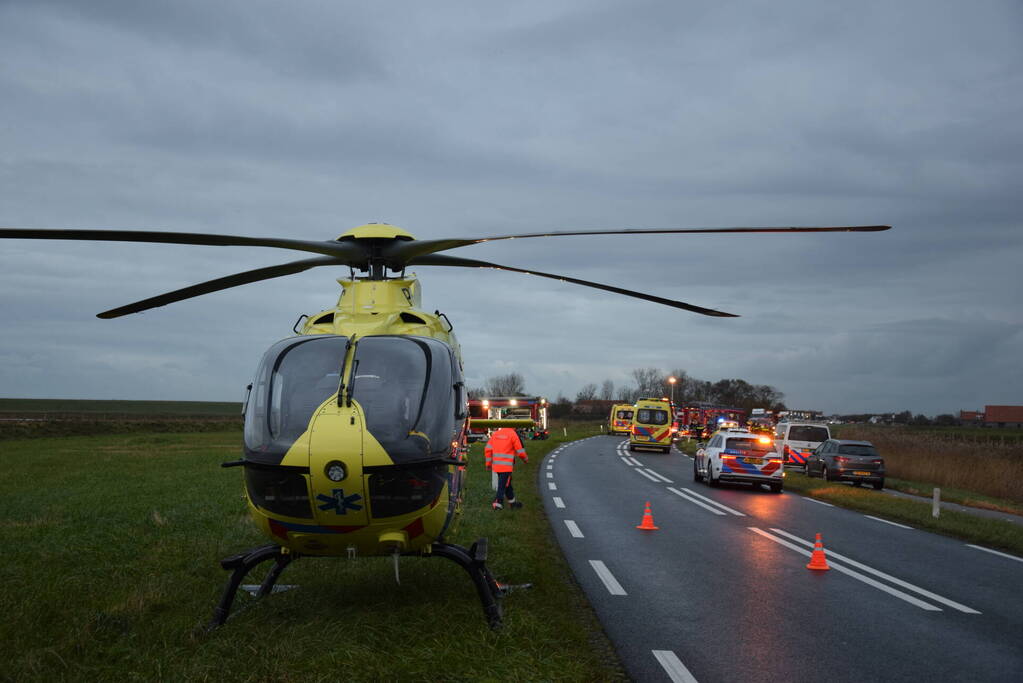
(843, 460)
(740, 456)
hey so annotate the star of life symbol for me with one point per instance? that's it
(339, 502)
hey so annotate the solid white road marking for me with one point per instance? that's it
(664, 479)
(878, 519)
(856, 575)
(876, 572)
(673, 666)
(714, 502)
(643, 472)
(819, 502)
(610, 582)
(573, 529)
(693, 500)
(635, 462)
(552, 486)
(995, 552)
(626, 461)
(558, 503)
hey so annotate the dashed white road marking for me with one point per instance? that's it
(558, 503)
(878, 519)
(995, 552)
(715, 503)
(610, 582)
(673, 666)
(573, 529)
(819, 502)
(643, 472)
(870, 570)
(697, 502)
(662, 478)
(550, 475)
(552, 486)
(856, 575)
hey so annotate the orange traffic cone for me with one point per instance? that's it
(817, 559)
(648, 519)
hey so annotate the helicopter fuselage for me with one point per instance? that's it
(355, 429)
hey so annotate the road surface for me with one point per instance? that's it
(721, 592)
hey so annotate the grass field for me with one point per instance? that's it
(935, 458)
(111, 569)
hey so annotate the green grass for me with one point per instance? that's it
(111, 569)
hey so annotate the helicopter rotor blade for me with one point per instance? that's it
(442, 260)
(405, 251)
(327, 248)
(222, 283)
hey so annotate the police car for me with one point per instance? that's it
(738, 455)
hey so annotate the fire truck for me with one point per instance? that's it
(700, 420)
(761, 422)
(532, 408)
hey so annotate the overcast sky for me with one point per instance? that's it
(305, 119)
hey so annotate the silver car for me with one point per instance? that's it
(843, 460)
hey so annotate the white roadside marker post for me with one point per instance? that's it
(936, 503)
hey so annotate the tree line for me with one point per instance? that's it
(735, 393)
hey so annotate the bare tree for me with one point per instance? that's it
(512, 384)
(607, 390)
(650, 381)
(587, 393)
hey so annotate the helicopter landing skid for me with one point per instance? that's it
(474, 561)
(240, 565)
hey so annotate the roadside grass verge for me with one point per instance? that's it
(994, 533)
(112, 568)
(954, 495)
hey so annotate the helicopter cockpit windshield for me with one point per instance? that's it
(406, 388)
(294, 378)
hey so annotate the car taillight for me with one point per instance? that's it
(728, 457)
(774, 460)
(840, 459)
(878, 462)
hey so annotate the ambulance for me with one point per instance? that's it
(620, 419)
(651, 425)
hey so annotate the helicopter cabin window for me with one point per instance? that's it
(406, 388)
(294, 378)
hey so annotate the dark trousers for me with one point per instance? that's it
(504, 487)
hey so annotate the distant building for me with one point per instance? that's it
(971, 417)
(1003, 416)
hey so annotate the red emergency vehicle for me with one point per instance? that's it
(509, 408)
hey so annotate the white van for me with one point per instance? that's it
(795, 440)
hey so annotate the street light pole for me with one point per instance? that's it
(671, 381)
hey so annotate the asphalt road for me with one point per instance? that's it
(721, 592)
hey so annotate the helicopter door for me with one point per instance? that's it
(406, 389)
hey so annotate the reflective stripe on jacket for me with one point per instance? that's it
(502, 449)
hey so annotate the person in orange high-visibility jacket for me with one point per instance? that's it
(502, 449)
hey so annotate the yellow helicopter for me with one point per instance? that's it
(355, 428)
